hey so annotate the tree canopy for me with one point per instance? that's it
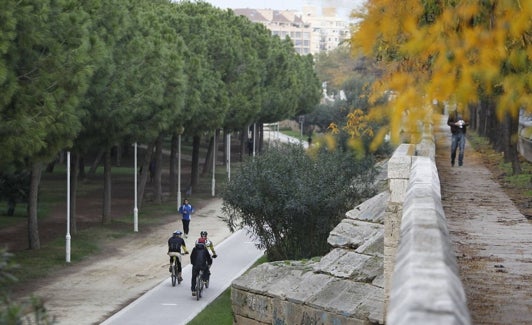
(459, 52)
(103, 74)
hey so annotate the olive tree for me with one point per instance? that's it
(290, 199)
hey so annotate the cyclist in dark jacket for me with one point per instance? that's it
(200, 260)
(175, 244)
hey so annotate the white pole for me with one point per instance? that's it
(213, 162)
(178, 170)
(254, 137)
(68, 210)
(135, 208)
(228, 156)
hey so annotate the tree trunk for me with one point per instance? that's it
(260, 136)
(194, 174)
(118, 152)
(106, 213)
(224, 143)
(81, 171)
(173, 164)
(511, 154)
(33, 198)
(74, 174)
(208, 158)
(144, 174)
(158, 170)
(243, 143)
(97, 161)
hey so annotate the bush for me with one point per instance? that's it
(291, 200)
(32, 312)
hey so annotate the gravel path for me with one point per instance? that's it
(491, 238)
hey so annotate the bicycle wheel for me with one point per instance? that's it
(198, 286)
(174, 275)
(177, 274)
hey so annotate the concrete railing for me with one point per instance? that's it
(422, 285)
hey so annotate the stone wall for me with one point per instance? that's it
(422, 284)
(343, 287)
(391, 260)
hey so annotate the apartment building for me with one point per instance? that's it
(311, 31)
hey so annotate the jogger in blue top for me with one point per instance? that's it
(186, 210)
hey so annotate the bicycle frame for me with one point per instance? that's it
(176, 258)
(199, 284)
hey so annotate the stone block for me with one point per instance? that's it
(398, 189)
(371, 210)
(343, 263)
(289, 313)
(240, 320)
(251, 306)
(392, 227)
(351, 299)
(353, 233)
(399, 167)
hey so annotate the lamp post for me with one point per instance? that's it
(213, 163)
(228, 155)
(180, 131)
(68, 210)
(254, 139)
(135, 208)
(301, 120)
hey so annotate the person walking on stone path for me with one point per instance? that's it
(186, 210)
(458, 129)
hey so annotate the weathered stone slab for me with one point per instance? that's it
(371, 210)
(290, 280)
(251, 307)
(399, 164)
(246, 321)
(353, 233)
(351, 299)
(379, 281)
(288, 313)
(295, 292)
(347, 264)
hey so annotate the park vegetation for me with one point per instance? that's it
(291, 199)
(475, 55)
(95, 77)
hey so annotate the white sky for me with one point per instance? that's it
(343, 6)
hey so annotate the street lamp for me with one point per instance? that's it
(301, 120)
(228, 155)
(68, 210)
(180, 131)
(135, 208)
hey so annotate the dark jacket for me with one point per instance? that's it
(175, 243)
(453, 118)
(200, 257)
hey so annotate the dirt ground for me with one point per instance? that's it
(90, 291)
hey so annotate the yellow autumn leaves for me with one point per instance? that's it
(453, 51)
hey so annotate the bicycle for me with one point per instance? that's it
(200, 283)
(176, 258)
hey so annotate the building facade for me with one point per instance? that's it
(311, 31)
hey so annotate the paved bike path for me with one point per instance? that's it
(165, 304)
